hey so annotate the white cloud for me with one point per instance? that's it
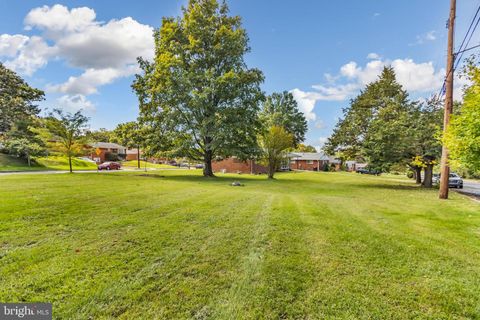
(350, 70)
(75, 102)
(30, 55)
(58, 20)
(306, 102)
(373, 56)
(104, 52)
(10, 45)
(88, 81)
(416, 78)
(113, 45)
(422, 38)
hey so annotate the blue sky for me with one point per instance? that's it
(82, 53)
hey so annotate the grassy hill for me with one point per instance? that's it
(174, 245)
(9, 163)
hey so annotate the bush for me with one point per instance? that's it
(410, 174)
(109, 156)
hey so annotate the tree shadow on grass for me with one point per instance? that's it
(387, 186)
(202, 179)
(262, 180)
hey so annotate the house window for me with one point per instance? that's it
(309, 161)
(115, 150)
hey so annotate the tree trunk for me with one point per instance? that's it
(138, 157)
(70, 163)
(271, 169)
(207, 168)
(418, 174)
(427, 179)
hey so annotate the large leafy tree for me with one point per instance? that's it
(129, 134)
(17, 103)
(274, 143)
(198, 91)
(463, 135)
(375, 125)
(65, 133)
(281, 110)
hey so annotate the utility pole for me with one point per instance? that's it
(445, 169)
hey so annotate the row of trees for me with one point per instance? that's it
(385, 128)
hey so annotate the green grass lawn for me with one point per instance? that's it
(9, 163)
(134, 164)
(174, 245)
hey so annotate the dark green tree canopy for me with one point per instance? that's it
(281, 110)
(377, 125)
(17, 101)
(199, 89)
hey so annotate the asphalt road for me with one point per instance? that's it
(471, 187)
(84, 171)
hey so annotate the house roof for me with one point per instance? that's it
(308, 156)
(107, 145)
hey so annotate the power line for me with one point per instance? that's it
(468, 49)
(462, 49)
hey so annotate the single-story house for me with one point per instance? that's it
(235, 165)
(313, 161)
(107, 151)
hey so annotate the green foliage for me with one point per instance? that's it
(65, 133)
(129, 134)
(17, 100)
(281, 110)
(304, 148)
(198, 96)
(385, 128)
(25, 148)
(100, 135)
(274, 143)
(463, 135)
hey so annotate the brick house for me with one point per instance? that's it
(313, 161)
(133, 154)
(235, 165)
(106, 151)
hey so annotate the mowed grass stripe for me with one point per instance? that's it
(176, 245)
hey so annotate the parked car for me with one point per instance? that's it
(199, 166)
(368, 171)
(454, 180)
(109, 166)
(173, 163)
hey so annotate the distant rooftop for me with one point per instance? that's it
(308, 156)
